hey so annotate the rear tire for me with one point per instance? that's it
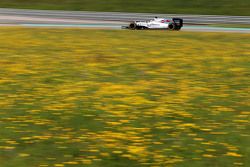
(171, 26)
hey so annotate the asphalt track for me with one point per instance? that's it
(109, 20)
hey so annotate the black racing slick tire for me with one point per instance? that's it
(171, 26)
(132, 26)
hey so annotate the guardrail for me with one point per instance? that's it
(126, 17)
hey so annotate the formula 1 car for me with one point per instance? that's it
(156, 23)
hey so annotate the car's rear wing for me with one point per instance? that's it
(178, 22)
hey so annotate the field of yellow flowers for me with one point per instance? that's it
(108, 98)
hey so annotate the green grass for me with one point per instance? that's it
(73, 97)
(222, 7)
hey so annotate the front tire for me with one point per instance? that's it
(132, 26)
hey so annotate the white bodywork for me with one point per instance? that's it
(156, 23)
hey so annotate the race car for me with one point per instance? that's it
(157, 23)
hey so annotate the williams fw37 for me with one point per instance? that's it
(156, 23)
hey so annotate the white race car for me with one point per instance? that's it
(157, 23)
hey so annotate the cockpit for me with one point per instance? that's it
(161, 20)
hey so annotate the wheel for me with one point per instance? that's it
(171, 26)
(132, 26)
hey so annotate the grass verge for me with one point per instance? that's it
(72, 97)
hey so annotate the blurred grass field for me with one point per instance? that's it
(222, 7)
(74, 97)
